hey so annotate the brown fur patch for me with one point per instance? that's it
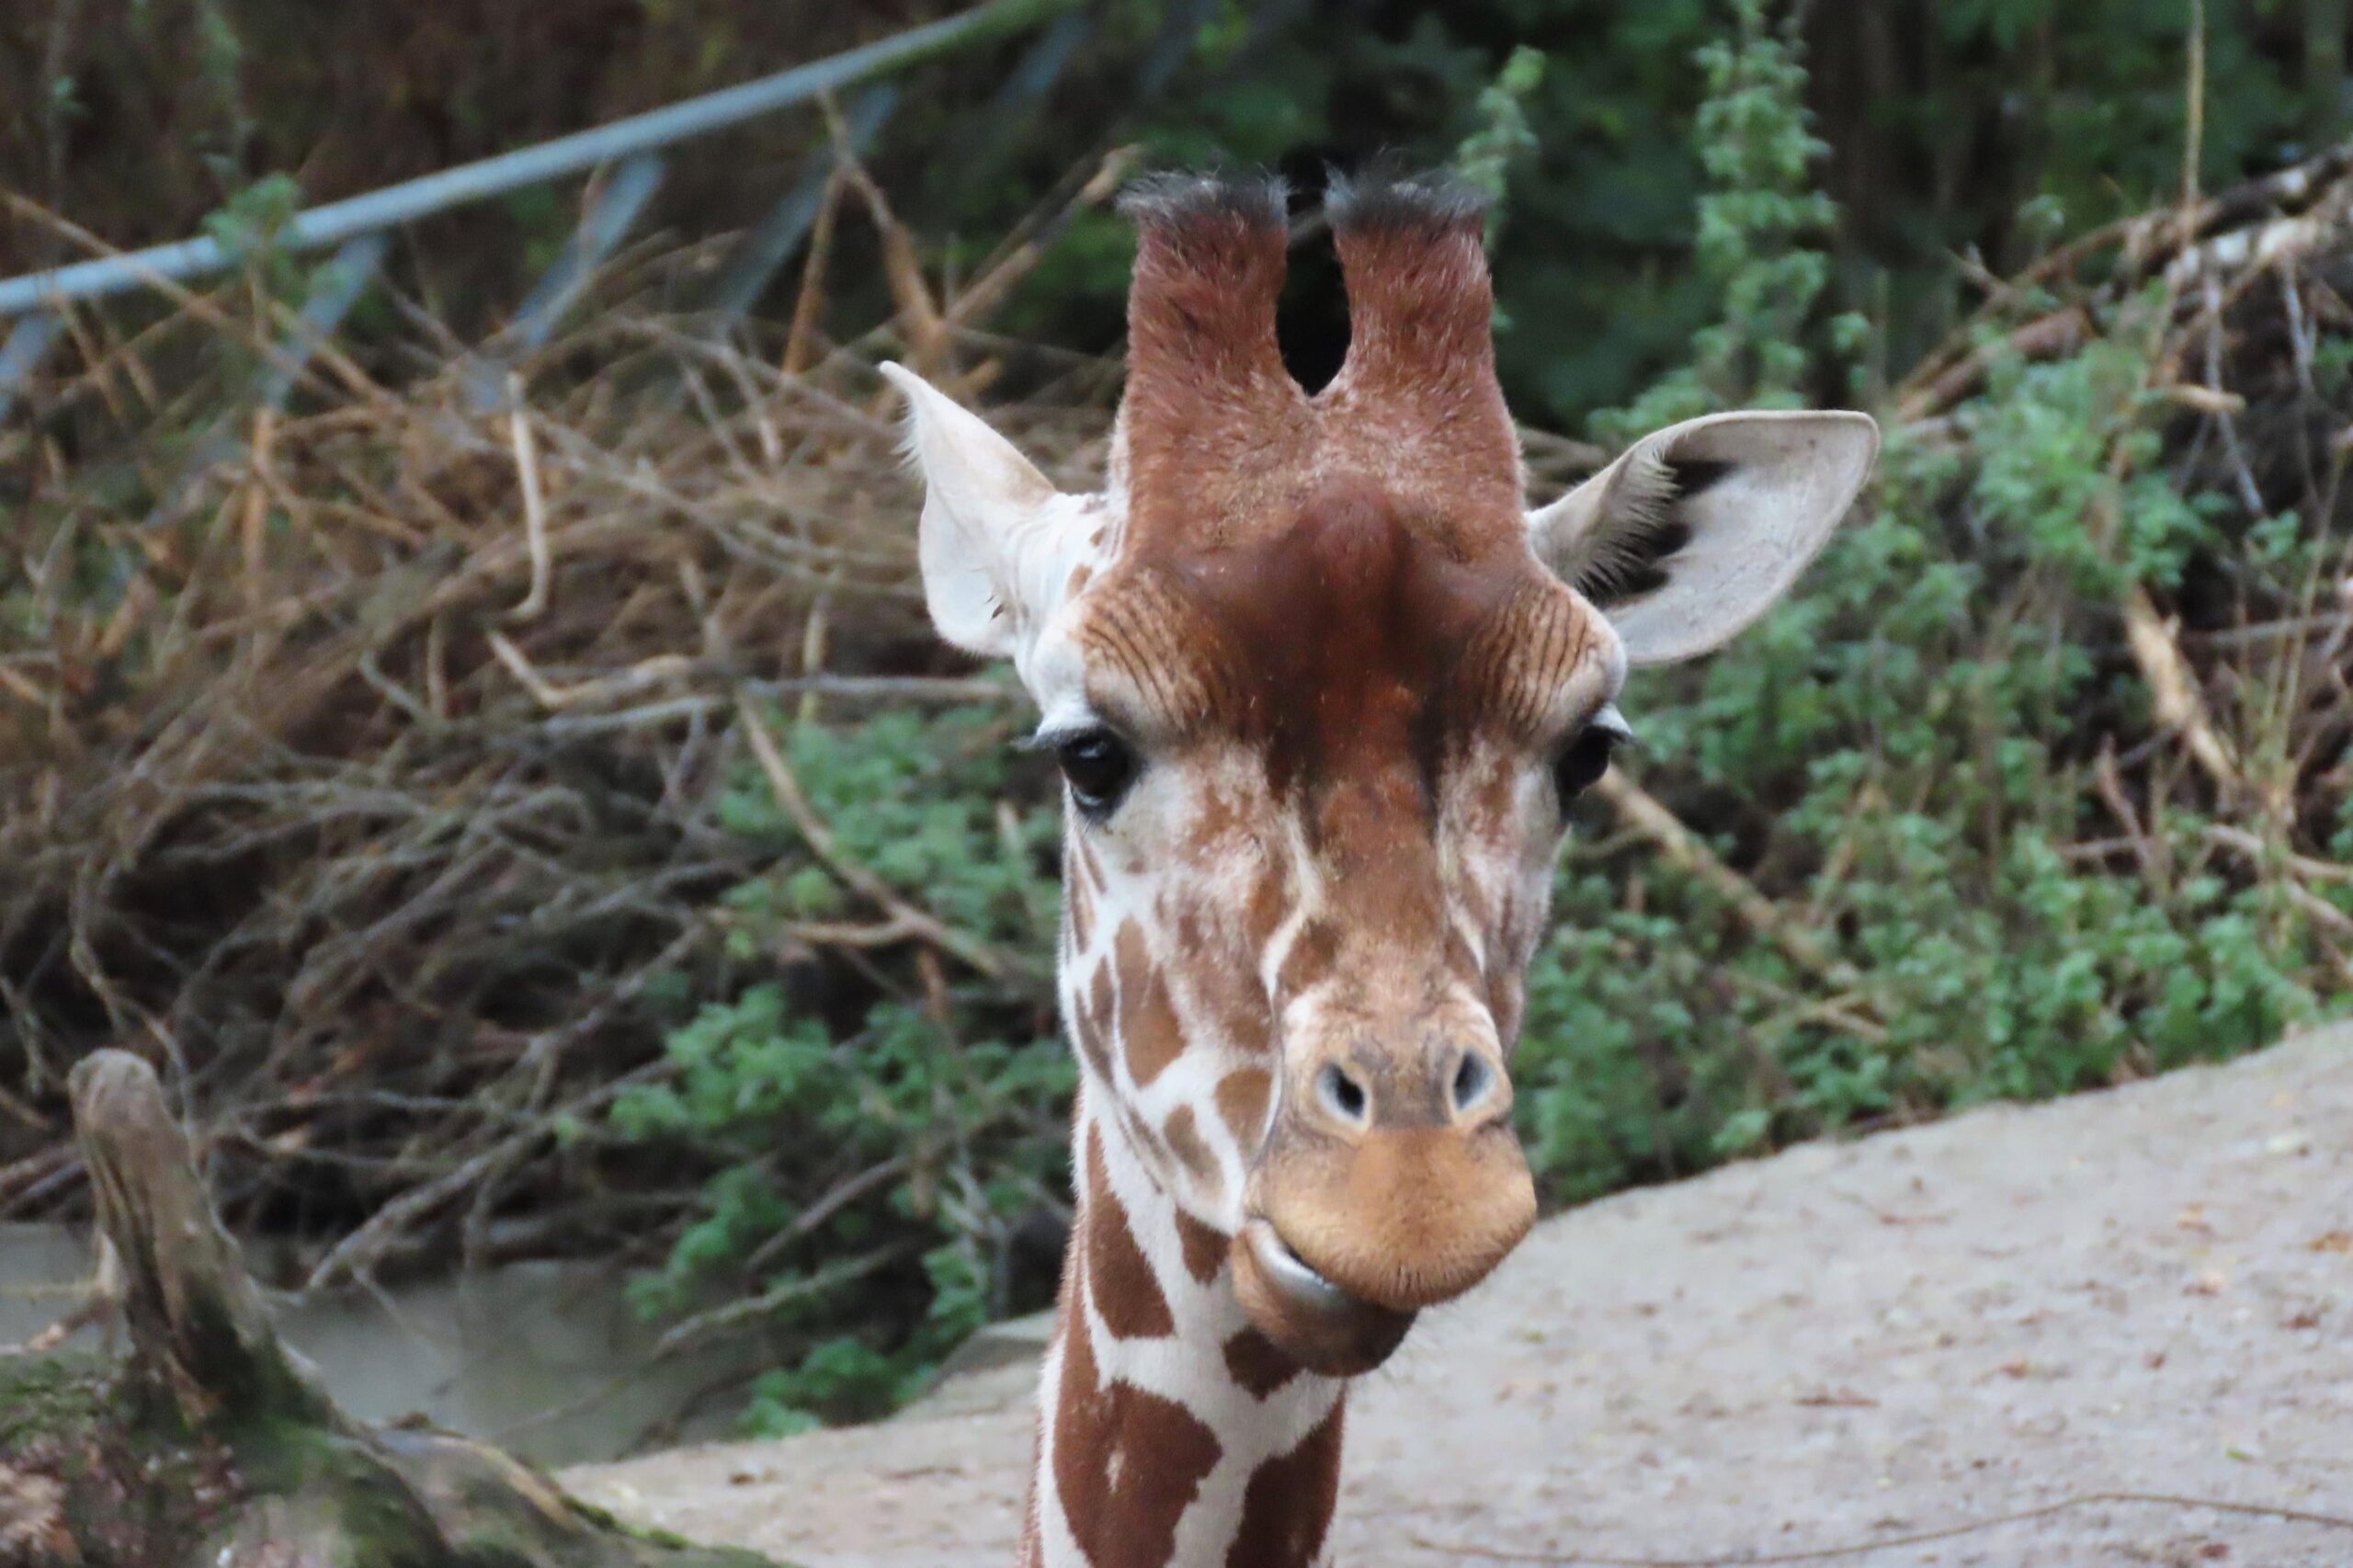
(1193, 1154)
(1226, 985)
(1287, 1508)
(1420, 360)
(1149, 1031)
(1147, 625)
(1204, 1248)
(1257, 1365)
(1216, 825)
(1242, 1103)
(1118, 1276)
(1078, 902)
(1506, 999)
(1082, 860)
(1309, 958)
(1460, 962)
(1090, 1016)
(1386, 512)
(1209, 404)
(1268, 906)
(1147, 1143)
(1127, 1463)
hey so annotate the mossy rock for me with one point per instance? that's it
(209, 1444)
(95, 1472)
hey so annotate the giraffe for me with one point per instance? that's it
(1320, 686)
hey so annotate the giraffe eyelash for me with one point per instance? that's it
(1586, 755)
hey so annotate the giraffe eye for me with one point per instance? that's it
(1581, 763)
(1100, 768)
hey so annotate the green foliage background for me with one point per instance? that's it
(1900, 757)
(1701, 203)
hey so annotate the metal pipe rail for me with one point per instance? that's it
(321, 227)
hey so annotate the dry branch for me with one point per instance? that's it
(384, 796)
(1682, 848)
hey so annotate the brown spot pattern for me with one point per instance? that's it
(1218, 820)
(1242, 1103)
(1118, 1276)
(1090, 1015)
(1082, 861)
(1139, 1133)
(1313, 953)
(1204, 1248)
(1127, 1463)
(1078, 900)
(1287, 1508)
(1193, 1154)
(1257, 1364)
(1263, 913)
(1460, 962)
(1225, 982)
(1149, 1031)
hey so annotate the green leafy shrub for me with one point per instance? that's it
(884, 1133)
(1906, 761)
(1901, 758)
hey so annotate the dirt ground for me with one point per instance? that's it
(2147, 1291)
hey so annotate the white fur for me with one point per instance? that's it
(997, 542)
(1189, 1367)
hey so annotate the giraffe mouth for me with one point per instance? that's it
(1289, 1271)
(1324, 1327)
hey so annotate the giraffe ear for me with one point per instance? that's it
(997, 542)
(1697, 530)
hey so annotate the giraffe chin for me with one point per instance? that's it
(1307, 1317)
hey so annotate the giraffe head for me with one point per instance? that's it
(1322, 686)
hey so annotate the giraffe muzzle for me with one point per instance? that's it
(1314, 1322)
(1365, 1208)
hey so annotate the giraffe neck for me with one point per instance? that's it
(1171, 1433)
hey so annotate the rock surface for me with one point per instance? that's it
(2143, 1290)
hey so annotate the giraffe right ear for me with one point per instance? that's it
(1698, 527)
(997, 542)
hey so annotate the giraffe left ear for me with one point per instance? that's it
(1697, 530)
(997, 542)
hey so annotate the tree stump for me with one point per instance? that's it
(210, 1443)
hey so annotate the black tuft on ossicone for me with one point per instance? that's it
(1176, 200)
(1383, 197)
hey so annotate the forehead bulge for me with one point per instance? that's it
(1355, 649)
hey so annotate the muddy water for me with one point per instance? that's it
(545, 1358)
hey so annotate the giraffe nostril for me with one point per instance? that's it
(1343, 1096)
(1472, 1076)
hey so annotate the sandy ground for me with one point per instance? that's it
(2145, 1291)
